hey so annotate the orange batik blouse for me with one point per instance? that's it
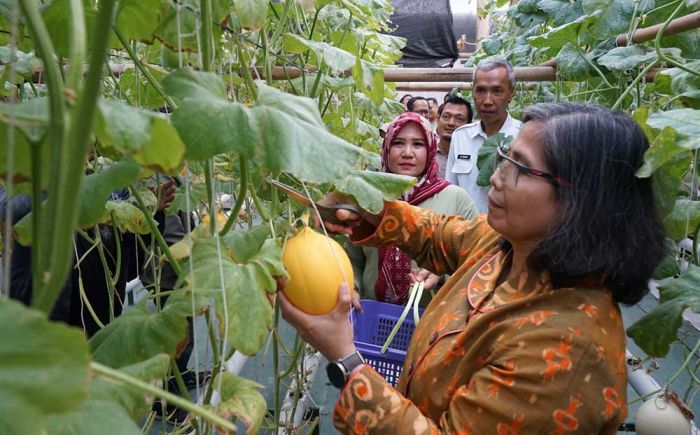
(521, 358)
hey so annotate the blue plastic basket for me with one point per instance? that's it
(372, 327)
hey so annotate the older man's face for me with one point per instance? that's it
(492, 94)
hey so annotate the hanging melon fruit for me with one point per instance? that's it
(317, 265)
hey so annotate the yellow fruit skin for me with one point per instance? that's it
(314, 275)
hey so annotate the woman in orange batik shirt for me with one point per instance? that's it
(526, 336)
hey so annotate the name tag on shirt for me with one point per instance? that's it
(464, 156)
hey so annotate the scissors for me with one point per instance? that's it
(327, 212)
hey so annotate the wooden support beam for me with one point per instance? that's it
(523, 74)
(679, 25)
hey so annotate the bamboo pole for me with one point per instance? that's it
(679, 25)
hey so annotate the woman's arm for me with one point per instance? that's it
(437, 243)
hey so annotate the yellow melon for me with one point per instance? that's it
(314, 273)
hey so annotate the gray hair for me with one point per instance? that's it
(494, 62)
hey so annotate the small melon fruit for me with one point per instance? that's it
(314, 275)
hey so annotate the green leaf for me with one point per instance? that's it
(491, 46)
(113, 405)
(251, 13)
(43, 368)
(572, 64)
(668, 266)
(685, 215)
(23, 64)
(485, 160)
(240, 398)
(198, 193)
(678, 82)
(246, 315)
(614, 18)
(561, 11)
(98, 187)
(661, 151)
(30, 120)
(667, 182)
(369, 78)
(371, 189)
(57, 19)
(336, 59)
(138, 19)
(624, 58)
(139, 334)
(134, 85)
(556, 38)
(146, 136)
(685, 121)
(93, 417)
(655, 332)
(127, 217)
(179, 29)
(281, 132)
(244, 245)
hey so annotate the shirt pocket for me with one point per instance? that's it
(463, 165)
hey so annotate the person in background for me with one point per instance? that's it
(418, 105)
(122, 256)
(526, 336)
(494, 81)
(433, 115)
(452, 114)
(409, 148)
(405, 99)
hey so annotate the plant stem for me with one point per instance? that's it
(632, 85)
(282, 23)
(178, 401)
(56, 127)
(153, 226)
(685, 363)
(206, 34)
(242, 191)
(77, 44)
(657, 43)
(266, 57)
(209, 182)
(146, 73)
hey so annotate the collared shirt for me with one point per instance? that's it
(461, 166)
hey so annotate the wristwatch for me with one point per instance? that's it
(339, 370)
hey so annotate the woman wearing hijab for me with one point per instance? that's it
(409, 148)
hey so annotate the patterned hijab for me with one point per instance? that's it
(393, 280)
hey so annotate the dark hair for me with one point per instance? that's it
(412, 101)
(429, 99)
(608, 228)
(456, 99)
(404, 97)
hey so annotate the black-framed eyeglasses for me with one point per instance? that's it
(511, 171)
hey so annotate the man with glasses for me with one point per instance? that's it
(493, 88)
(418, 105)
(452, 114)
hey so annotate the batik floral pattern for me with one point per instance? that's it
(529, 359)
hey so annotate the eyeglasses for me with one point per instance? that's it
(510, 170)
(422, 112)
(459, 119)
